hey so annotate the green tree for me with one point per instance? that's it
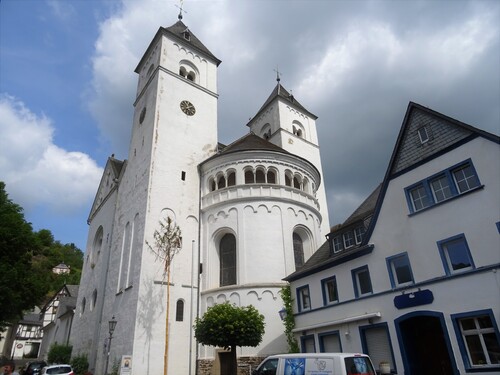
(26, 262)
(289, 320)
(228, 326)
(59, 353)
(19, 288)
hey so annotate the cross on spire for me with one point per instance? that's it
(180, 9)
(278, 74)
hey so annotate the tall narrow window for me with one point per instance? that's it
(361, 281)
(348, 239)
(303, 299)
(227, 254)
(221, 182)
(231, 179)
(288, 180)
(359, 232)
(179, 311)
(271, 177)
(298, 251)
(399, 270)
(296, 183)
(249, 177)
(260, 176)
(330, 293)
(337, 244)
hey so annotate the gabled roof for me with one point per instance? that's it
(324, 258)
(113, 168)
(446, 134)
(280, 92)
(177, 31)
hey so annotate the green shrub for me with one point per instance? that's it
(59, 353)
(80, 364)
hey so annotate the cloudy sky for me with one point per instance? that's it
(67, 84)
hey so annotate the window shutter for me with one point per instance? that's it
(377, 342)
(331, 344)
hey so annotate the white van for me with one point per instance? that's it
(316, 364)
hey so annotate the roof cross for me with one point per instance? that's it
(180, 9)
(278, 74)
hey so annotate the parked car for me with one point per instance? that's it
(34, 368)
(315, 363)
(57, 370)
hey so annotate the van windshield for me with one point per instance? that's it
(358, 366)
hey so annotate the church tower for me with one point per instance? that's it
(174, 129)
(283, 121)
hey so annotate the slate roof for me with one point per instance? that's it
(177, 32)
(324, 257)
(449, 134)
(250, 142)
(280, 92)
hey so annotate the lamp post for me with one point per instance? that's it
(112, 326)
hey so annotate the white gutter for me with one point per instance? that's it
(339, 321)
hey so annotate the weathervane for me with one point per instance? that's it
(180, 9)
(278, 78)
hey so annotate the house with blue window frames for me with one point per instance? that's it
(412, 277)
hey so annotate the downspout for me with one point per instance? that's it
(198, 267)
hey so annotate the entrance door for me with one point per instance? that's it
(225, 363)
(424, 346)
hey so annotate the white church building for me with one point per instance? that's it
(250, 214)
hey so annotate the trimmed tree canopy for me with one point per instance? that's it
(226, 326)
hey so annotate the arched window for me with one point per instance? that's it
(179, 311)
(271, 177)
(221, 183)
(249, 177)
(182, 71)
(82, 309)
(298, 251)
(191, 76)
(212, 185)
(296, 182)
(231, 179)
(260, 177)
(227, 257)
(96, 247)
(188, 70)
(93, 301)
(288, 180)
(298, 129)
(305, 185)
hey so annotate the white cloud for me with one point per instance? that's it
(35, 170)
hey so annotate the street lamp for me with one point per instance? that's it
(282, 313)
(112, 326)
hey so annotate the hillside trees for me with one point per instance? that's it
(26, 261)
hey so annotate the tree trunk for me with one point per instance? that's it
(234, 360)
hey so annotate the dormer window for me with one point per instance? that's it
(187, 34)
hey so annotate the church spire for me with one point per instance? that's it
(180, 9)
(278, 79)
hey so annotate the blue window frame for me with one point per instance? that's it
(303, 298)
(361, 281)
(376, 342)
(337, 244)
(455, 254)
(329, 289)
(447, 184)
(478, 339)
(399, 269)
(307, 344)
(329, 342)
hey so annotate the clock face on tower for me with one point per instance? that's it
(188, 107)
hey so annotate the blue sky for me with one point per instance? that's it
(67, 84)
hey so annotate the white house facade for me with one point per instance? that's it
(420, 288)
(249, 213)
